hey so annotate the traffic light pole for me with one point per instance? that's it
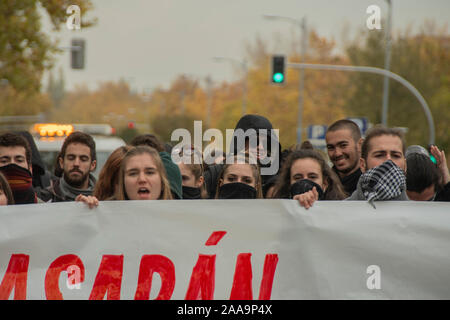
(301, 81)
(301, 78)
(387, 65)
(380, 71)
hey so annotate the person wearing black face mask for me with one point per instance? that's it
(306, 177)
(239, 180)
(191, 173)
(305, 185)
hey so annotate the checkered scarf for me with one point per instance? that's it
(384, 182)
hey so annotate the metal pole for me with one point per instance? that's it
(301, 79)
(387, 65)
(209, 101)
(244, 87)
(383, 72)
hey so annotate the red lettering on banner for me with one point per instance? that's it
(215, 237)
(201, 286)
(242, 281)
(165, 268)
(61, 264)
(270, 264)
(202, 283)
(108, 279)
(15, 277)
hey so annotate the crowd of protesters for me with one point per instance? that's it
(376, 167)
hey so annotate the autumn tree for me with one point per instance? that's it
(324, 93)
(26, 52)
(423, 60)
(111, 102)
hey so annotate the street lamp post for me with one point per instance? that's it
(208, 81)
(244, 67)
(387, 65)
(303, 45)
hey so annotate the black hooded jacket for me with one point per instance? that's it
(249, 121)
(41, 176)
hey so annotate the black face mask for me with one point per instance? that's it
(21, 182)
(237, 190)
(305, 185)
(190, 193)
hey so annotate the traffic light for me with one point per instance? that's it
(277, 70)
(77, 53)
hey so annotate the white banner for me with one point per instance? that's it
(225, 249)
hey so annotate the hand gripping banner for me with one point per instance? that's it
(225, 249)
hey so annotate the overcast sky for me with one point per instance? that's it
(150, 42)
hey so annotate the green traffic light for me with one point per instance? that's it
(278, 77)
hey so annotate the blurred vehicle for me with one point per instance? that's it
(49, 138)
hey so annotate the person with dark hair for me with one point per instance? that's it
(172, 171)
(15, 164)
(422, 178)
(343, 139)
(78, 160)
(6, 196)
(383, 166)
(426, 181)
(305, 176)
(15, 149)
(148, 140)
(305, 145)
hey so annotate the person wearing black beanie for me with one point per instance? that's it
(255, 134)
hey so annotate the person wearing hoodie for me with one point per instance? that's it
(77, 160)
(253, 134)
(41, 176)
